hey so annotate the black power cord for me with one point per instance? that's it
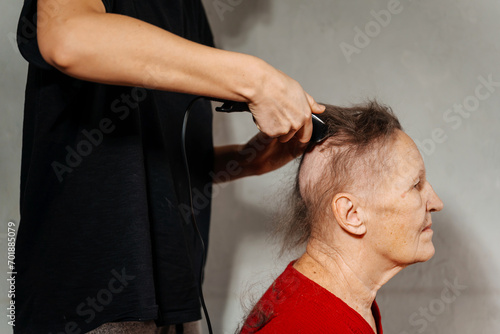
(319, 133)
(195, 225)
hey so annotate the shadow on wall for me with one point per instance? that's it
(449, 293)
(225, 19)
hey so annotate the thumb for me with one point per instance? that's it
(315, 107)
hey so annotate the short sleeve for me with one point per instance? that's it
(108, 4)
(27, 37)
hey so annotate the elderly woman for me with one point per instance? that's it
(363, 206)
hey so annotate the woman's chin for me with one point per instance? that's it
(426, 253)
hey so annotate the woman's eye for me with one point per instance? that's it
(417, 185)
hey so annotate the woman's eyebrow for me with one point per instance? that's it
(420, 175)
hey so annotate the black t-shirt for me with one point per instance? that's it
(103, 188)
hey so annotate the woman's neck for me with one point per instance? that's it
(352, 280)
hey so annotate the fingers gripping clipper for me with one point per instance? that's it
(319, 127)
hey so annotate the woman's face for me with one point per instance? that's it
(398, 216)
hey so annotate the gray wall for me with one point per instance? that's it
(12, 81)
(424, 61)
(429, 62)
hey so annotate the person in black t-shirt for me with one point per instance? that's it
(102, 244)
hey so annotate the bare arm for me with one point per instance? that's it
(260, 155)
(80, 39)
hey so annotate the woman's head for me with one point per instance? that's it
(352, 183)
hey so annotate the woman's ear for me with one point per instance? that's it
(346, 209)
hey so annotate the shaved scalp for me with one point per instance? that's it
(348, 160)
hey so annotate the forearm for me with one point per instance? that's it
(116, 49)
(258, 156)
(230, 163)
(80, 39)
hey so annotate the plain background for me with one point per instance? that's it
(425, 61)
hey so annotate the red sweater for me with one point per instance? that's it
(295, 304)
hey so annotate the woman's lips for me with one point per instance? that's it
(427, 228)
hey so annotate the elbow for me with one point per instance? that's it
(57, 46)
